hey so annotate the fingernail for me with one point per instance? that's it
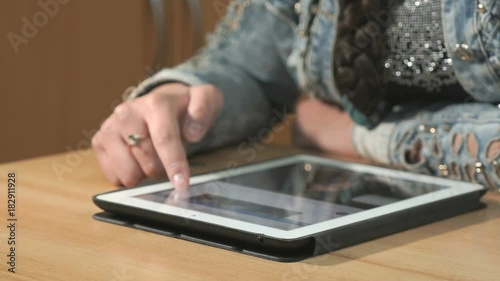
(195, 129)
(179, 181)
(179, 194)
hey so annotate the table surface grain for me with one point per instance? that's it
(57, 239)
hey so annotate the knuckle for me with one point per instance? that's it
(176, 166)
(107, 126)
(121, 107)
(96, 140)
(154, 100)
(122, 111)
(214, 93)
(151, 170)
(200, 112)
(165, 137)
(114, 180)
(130, 179)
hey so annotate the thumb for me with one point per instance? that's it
(204, 106)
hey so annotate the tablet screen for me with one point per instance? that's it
(293, 196)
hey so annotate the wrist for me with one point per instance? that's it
(337, 139)
(326, 127)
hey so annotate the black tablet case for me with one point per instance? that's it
(306, 247)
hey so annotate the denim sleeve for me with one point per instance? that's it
(245, 59)
(457, 141)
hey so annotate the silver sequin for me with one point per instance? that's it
(416, 54)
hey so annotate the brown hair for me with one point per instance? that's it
(359, 52)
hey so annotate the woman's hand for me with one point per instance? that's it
(326, 127)
(164, 118)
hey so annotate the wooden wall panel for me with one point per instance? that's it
(65, 79)
(183, 45)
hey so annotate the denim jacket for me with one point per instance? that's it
(265, 53)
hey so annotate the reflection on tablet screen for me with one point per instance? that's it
(295, 195)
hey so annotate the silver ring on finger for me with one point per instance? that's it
(134, 139)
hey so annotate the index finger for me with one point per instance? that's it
(163, 125)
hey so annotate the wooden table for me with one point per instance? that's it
(57, 239)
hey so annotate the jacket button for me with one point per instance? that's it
(463, 52)
(481, 8)
(443, 170)
(298, 8)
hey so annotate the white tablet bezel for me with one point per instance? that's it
(456, 188)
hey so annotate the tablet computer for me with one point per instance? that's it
(290, 208)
